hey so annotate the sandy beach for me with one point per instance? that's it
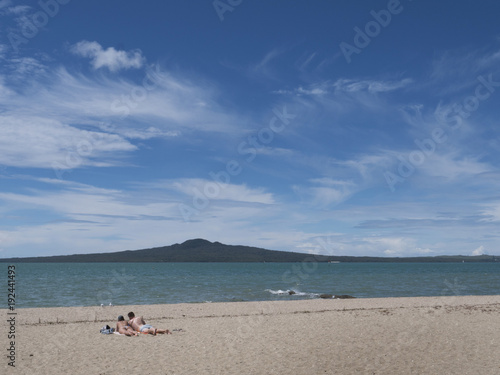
(427, 335)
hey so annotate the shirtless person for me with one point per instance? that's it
(138, 323)
(123, 328)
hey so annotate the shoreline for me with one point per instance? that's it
(424, 335)
(88, 314)
(284, 299)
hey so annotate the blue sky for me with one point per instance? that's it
(340, 128)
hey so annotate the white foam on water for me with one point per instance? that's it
(296, 293)
(279, 291)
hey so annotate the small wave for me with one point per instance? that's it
(291, 292)
(279, 291)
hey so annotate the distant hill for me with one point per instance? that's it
(200, 250)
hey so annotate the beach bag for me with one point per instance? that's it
(107, 330)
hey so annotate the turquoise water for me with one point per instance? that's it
(92, 284)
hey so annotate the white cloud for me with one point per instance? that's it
(455, 71)
(44, 117)
(350, 176)
(43, 143)
(359, 245)
(492, 212)
(460, 63)
(85, 202)
(367, 165)
(211, 190)
(162, 101)
(74, 217)
(324, 192)
(478, 251)
(392, 245)
(347, 86)
(17, 10)
(423, 251)
(453, 166)
(276, 152)
(371, 86)
(24, 67)
(110, 58)
(311, 91)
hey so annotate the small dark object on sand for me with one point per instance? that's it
(343, 296)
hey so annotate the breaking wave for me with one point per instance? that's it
(292, 293)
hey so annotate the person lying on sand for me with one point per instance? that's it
(138, 323)
(123, 327)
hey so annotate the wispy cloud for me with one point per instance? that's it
(303, 62)
(348, 86)
(325, 192)
(452, 72)
(452, 64)
(17, 10)
(429, 222)
(454, 166)
(266, 60)
(23, 67)
(237, 193)
(266, 66)
(377, 245)
(492, 212)
(371, 86)
(87, 204)
(47, 118)
(135, 216)
(43, 143)
(110, 58)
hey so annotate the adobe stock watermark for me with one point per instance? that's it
(34, 22)
(221, 179)
(117, 284)
(247, 326)
(224, 6)
(298, 272)
(453, 120)
(363, 37)
(138, 94)
(301, 271)
(123, 106)
(420, 325)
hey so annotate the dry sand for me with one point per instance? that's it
(428, 335)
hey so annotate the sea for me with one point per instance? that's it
(95, 284)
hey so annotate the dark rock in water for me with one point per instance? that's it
(326, 296)
(291, 292)
(343, 296)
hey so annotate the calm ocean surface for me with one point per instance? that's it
(92, 284)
